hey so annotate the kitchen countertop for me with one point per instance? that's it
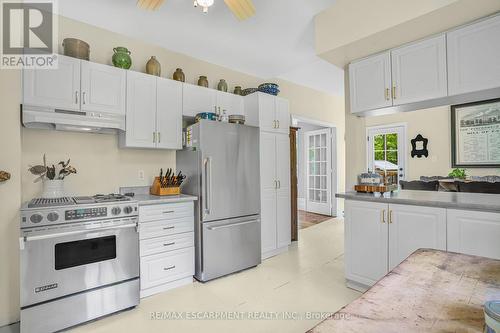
(453, 200)
(144, 198)
(431, 291)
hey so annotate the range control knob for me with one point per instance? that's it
(116, 210)
(128, 210)
(52, 217)
(36, 218)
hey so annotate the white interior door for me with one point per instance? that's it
(386, 152)
(319, 171)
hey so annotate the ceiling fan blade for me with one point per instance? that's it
(149, 4)
(242, 9)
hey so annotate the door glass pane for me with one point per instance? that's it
(317, 168)
(323, 154)
(385, 157)
(323, 168)
(323, 182)
(311, 194)
(323, 140)
(318, 155)
(311, 141)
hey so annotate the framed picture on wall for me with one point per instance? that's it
(475, 134)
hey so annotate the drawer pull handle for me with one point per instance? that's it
(168, 228)
(168, 211)
(168, 268)
(168, 244)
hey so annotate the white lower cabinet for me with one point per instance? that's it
(474, 233)
(366, 245)
(412, 228)
(378, 237)
(166, 233)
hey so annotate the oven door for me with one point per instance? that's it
(65, 263)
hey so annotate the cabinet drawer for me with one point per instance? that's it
(165, 227)
(165, 267)
(166, 211)
(166, 243)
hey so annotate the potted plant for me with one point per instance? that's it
(458, 174)
(52, 177)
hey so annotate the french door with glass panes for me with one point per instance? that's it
(319, 171)
(386, 152)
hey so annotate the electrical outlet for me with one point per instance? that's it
(141, 175)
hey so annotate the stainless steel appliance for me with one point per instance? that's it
(79, 260)
(221, 162)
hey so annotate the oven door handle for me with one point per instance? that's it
(23, 240)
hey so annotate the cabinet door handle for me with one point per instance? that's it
(279, 183)
(274, 123)
(168, 268)
(390, 216)
(169, 228)
(278, 123)
(383, 216)
(169, 244)
(387, 94)
(76, 97)
(154, 137)
(167, 211)
(159, 138)
(394, 92)
(83, 98)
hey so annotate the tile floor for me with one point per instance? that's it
(308, 278)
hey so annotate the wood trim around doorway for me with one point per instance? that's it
(293, 184)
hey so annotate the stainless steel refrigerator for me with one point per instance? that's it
(221, 162)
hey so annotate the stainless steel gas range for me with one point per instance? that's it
(79, 260)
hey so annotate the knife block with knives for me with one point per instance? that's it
(168, 183)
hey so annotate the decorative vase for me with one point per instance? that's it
(237, 90)
(203, 81)
(53, 188)
(179, 75)
(222, 86)
(153, 67)
(121, 58)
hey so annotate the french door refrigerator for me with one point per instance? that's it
(221, 162)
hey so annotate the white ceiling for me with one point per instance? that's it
(276, 43)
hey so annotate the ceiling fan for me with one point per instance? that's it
(242, 9)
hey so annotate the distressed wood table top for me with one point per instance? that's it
(431, 291)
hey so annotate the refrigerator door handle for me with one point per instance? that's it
(233, 224)
(208, 184)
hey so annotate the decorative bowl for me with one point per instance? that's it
(205, 115)
(249, 91)
(269, 88)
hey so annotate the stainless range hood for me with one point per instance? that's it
(64, 120)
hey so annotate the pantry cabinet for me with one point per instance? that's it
(379, 236)
(475, 233)
(269, 113)
(154, 113)
(275, 193)
(473, 61)
(419, 71)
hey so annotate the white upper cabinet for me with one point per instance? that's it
(282, 115)
(269, 113)
(370, 83)
(169, 114)
(55, 88)
(473, 57)
(233, 104)
(412, 228)
(198, 99)
(419, 71)
(103, 88)
(141, 111)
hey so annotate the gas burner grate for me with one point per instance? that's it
(49, 202)
(110, 197)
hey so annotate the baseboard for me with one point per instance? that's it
(301, 203)
(275, 252)
(356, 286)
(167, 286)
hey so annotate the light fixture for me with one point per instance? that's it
(204, 4)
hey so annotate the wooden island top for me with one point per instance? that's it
(431, 291)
